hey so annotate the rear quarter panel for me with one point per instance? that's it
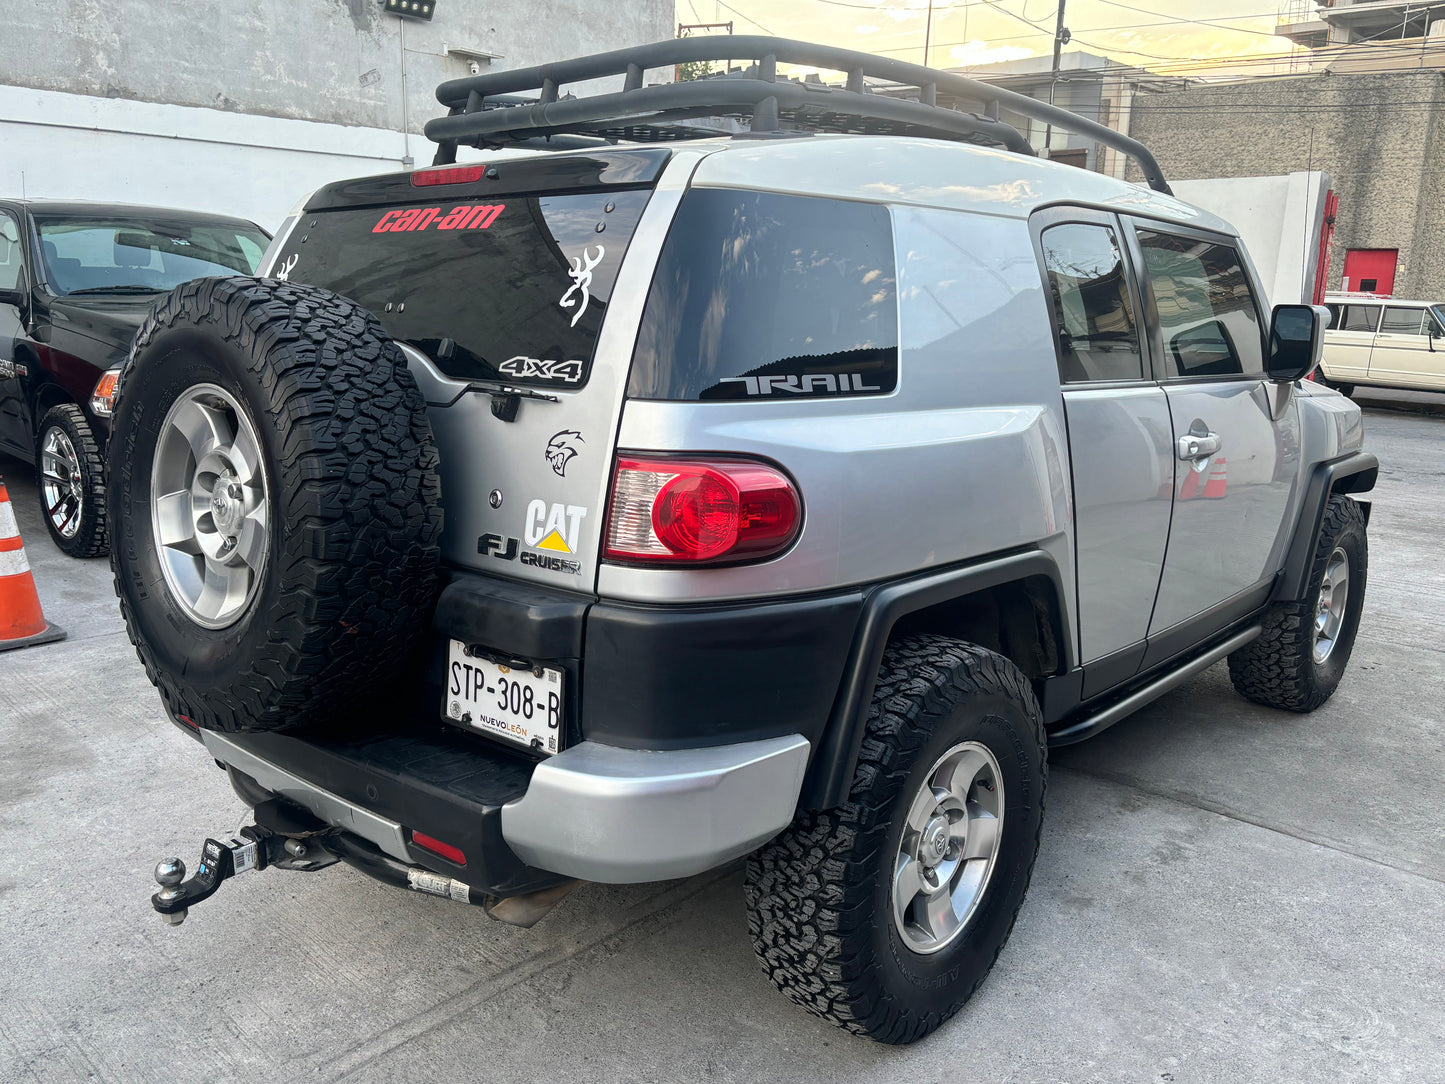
(968, 456)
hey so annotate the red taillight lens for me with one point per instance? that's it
(436, 846)
(425, 178)
(674, 511)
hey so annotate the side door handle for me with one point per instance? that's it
(1194, 447)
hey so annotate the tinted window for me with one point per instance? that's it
(9, 252)
(1208, 321)
(511, 291)
(766, 295)
(1399, 321)
(1360, 318)
(89, 254)
(1098, 336)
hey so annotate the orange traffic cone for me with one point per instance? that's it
(1218, 482)
(21, 621)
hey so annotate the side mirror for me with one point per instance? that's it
(12, 297)
(1296, 340)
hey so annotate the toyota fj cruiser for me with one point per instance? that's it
(801, 487)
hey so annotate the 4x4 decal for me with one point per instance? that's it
(569, 372)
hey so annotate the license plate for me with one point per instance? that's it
(517, 704)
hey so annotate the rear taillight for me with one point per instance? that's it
(696, 511)
(425, 178)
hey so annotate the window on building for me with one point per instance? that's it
(1098, 335)
(1208, 321)
(1400, 321)
(1361, 318)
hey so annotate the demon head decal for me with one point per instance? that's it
(561, 448)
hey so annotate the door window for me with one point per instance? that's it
(1399, 321)
(1208, 322)
(1361, 318)
(9, 251)
(1098, 334)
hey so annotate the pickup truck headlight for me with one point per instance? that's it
(102, 399)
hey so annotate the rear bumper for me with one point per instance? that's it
(594, 811)
(621, 815)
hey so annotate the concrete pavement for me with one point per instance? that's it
(1224, 892)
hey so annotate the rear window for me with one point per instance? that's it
(513, 290)
(761, 295)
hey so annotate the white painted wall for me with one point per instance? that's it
(1279, 219)
(71, 146)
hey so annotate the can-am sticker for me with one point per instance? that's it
(467, 216)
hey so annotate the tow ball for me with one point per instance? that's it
(254, 847)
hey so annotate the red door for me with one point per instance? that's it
(1370, 270)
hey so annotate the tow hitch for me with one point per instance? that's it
(288, 838)
(254, 847)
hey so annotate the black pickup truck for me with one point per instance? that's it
(76, 279)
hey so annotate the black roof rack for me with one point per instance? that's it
(483, 110)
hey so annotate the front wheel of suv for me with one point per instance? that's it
(1300, 657)
(883, 915)
(72, 482)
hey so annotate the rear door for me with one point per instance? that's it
(1120, 439)
(508, 291)
(1406, 354)
(1349, 341)
(1235, 463)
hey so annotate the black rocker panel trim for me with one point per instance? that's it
(1355, 473)
(1189, 634)
(673, 677)
(835, 758)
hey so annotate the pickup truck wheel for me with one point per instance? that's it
(883, 915)
(72, 482)
(275, 504)
(1298, 660)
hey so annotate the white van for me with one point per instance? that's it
(1384, 342)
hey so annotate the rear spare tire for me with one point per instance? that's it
(274, 504)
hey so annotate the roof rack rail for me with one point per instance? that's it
(479, 114)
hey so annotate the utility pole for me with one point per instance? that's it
(927, 33)
(1061, 35)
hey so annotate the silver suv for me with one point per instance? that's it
(801, 487)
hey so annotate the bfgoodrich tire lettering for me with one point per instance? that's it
(1280, 669)
(820, 895)
(353, 502)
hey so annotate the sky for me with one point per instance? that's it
(1234, 36)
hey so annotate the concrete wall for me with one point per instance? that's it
(1379, 136)
(325, 60)
(243, 107)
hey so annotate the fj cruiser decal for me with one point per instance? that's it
(499, 546)
(802, 385)
(553, 527)
(569, 372)
(562, 449)
(581, 276)
(465, 217)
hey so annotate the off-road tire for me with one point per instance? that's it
(354, 498)
(1279, 669)
(90, 538)
(819, 895)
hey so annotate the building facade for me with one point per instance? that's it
(240, 107)
(1380, 136)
